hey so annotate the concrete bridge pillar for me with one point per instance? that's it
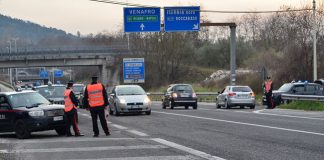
(103, 74)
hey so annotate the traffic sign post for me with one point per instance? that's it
(133, 70)
(58, 73)
(181, 19)
(43, 74)
(142, 20)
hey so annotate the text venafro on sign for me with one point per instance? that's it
(142, 20)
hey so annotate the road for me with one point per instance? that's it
(206, 133)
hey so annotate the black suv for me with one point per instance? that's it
(180, 95)
(54, 93)
(298, 88)
(28, 111)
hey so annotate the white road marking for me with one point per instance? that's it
(270, 114)
(187, 149)
(119, 126)
(284, 115)
(242, 123)
(64, 140)
(138, 133)
(258, 111)
(53, 150)
(188, 157)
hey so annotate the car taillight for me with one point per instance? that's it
(252, 94)
(174, 95)
(231, 94)
(194, 95)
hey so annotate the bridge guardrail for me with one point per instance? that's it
(202, 96)
(302, 97)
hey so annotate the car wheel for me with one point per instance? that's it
(116, 112)
(241, 107)
(60, 131)
(163, 105)
(195, 106)
(217, 105)
(186, 107)
(21, 130)
(111, 112)
(252, 107)
(171, 105)
(226, 105)
(148, 112)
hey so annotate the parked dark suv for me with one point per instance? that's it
(298, 88)
(28, 111)
(180, 95)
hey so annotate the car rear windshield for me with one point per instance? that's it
(286, 87)
(52, 91)
(241, 89)
(27, 99)
(131, 90)
(183, 88)
(78, 88)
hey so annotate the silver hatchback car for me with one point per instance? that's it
(236, 96)
(129, 99)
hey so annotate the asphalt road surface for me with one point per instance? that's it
(178, 134)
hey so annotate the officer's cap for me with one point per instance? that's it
(70, 82)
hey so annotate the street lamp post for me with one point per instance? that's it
(314, 42)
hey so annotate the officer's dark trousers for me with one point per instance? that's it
(94, 116)
(72, 120)
(269, 100)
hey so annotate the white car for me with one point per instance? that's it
(236, 96)
(129, 99)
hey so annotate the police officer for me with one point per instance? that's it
(96, 100)
(71, 103)
(268, 86)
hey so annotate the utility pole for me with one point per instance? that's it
(314, 42)
(15, 39)
(9, 46)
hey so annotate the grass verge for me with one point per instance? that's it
(304, 105)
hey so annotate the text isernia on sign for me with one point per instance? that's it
(182, 18)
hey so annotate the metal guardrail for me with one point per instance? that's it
(302, 97)
(202, 96)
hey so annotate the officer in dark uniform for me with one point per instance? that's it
(71, 103)
(96, 100)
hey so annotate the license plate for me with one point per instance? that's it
(184, 95)
(58, 118)
(134, 106)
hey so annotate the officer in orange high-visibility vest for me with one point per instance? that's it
(71, 103)
(96, 100)
(268, 86)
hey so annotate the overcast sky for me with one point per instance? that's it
(92, 17)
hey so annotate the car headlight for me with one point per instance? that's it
(147, 100)
(122, 101)
(36, 113)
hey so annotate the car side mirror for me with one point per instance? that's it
(51, 100)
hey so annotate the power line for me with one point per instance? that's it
(208, 11)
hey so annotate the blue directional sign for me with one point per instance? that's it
(133, 70)
(142, 20)
(58, 73)
(43, 74)
(181, 19)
